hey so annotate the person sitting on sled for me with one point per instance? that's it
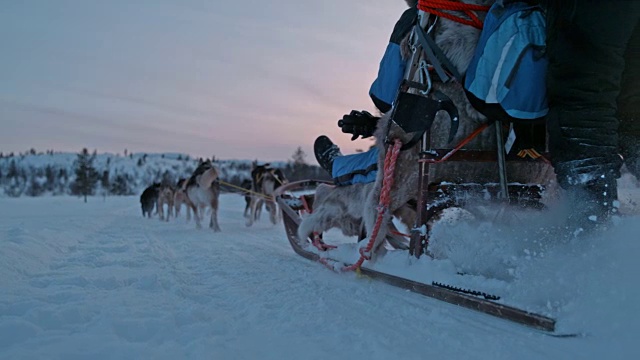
(594, 106)
(363, 167)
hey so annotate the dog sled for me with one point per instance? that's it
(413, 135)
(296, 200)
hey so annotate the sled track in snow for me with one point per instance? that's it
(291, 219)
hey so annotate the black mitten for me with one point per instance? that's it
(358, 123)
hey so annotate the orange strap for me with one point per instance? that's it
(462, 143)
(438, 8)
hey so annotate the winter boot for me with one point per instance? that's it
(592, 205)
(326, 151)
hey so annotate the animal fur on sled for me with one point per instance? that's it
(343, 208)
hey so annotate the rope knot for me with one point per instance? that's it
(365, 254)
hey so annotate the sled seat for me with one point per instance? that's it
(476, 170)
(477, 161)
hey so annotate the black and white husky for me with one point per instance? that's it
(203, 190)
(264, 181)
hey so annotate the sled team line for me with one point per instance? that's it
(201, 191)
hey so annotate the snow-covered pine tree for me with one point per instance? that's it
(86, 175)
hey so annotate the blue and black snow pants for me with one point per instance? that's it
(358, 168)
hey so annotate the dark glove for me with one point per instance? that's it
(358, 123)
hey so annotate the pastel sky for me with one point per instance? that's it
(236, 79)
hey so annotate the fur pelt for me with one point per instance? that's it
(343, 207)
(331, 211)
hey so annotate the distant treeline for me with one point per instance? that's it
(52, 173)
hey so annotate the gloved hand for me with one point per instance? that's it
(358, 123)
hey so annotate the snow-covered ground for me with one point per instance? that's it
(97, 281)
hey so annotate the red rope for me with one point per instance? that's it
(438, 8)
(383, 204)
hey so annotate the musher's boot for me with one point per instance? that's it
(326, 151)
(592, 205)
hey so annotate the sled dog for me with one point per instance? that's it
(264, 180)
(203, 190)
(149, 198)
(165, 197)
(179, 198)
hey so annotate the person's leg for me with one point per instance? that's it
(629, 105)
(356, 168)
(346, 169)
(586, 45)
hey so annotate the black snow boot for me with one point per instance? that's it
(326, 151)
(592, 205)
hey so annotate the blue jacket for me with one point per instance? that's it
(384, 89)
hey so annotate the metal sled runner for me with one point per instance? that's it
(291, 214)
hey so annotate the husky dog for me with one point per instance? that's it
(264, 180)
(203, 190)
(180, 197)
(165, 197)
(149, 198)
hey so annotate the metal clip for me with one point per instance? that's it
(423, 72)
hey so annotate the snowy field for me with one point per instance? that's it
(97, 281)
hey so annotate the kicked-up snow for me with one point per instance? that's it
(98, 281)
